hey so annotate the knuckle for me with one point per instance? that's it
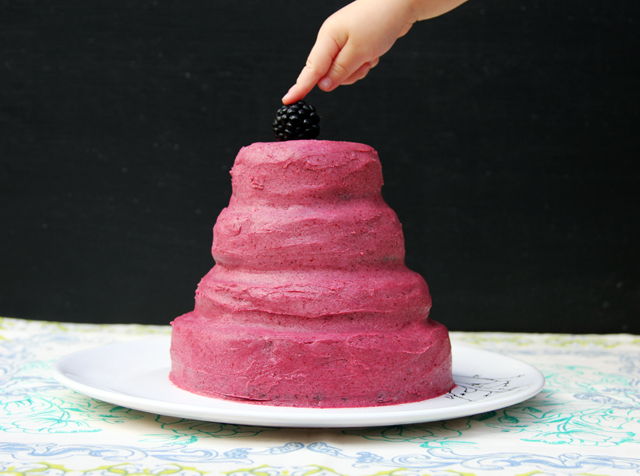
(339, 70)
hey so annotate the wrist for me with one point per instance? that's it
(425, 9)
(414, 9)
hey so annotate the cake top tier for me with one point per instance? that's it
(304, 171)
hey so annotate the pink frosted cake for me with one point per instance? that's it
(310, 303)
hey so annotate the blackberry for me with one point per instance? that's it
(296, 121)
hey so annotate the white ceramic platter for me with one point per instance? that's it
(135, 375)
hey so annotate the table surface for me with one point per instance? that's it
(586, 420)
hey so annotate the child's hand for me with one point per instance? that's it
(351, 41)
(349, 44)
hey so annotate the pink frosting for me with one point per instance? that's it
(317, 202)
(310, 302)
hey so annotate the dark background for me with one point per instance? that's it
(508, 132)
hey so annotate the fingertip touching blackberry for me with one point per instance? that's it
(296, 121)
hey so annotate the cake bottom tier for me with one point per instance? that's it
(272, 366)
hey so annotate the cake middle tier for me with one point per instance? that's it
(355, 234)
(381, 299)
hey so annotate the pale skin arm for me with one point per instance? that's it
(352, 40)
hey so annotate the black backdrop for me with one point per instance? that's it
(508, 132)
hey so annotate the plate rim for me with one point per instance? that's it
(298, 417)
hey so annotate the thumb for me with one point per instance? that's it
(345, 64)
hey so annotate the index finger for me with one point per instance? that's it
(318, 63)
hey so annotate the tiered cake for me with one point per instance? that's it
(310, 303)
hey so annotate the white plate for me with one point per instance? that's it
(135, 375)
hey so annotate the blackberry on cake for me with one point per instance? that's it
(296, 121)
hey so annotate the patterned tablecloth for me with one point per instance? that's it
(586, 420)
